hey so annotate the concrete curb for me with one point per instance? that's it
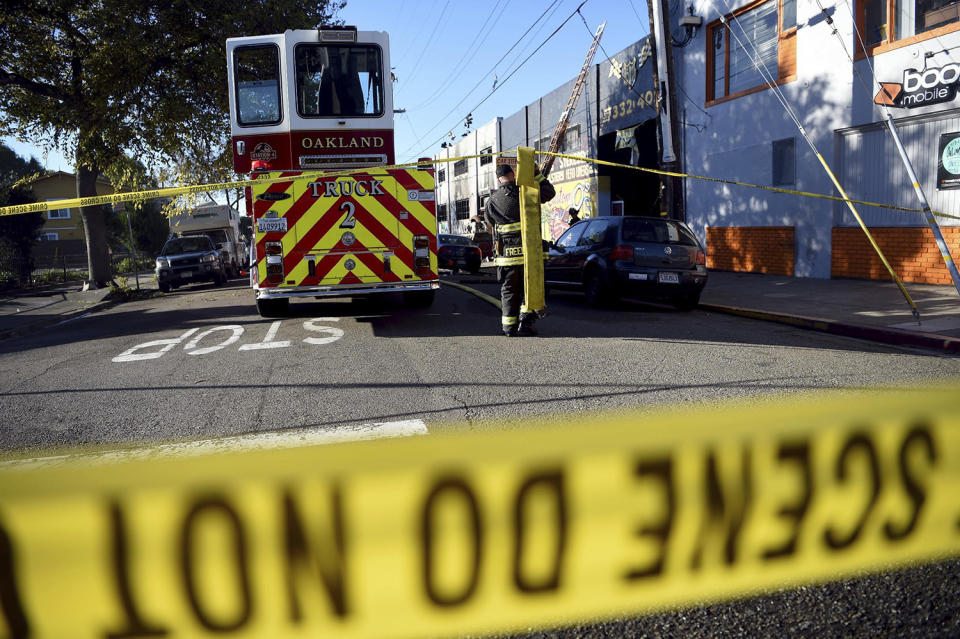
(895, 336)
(59, 319)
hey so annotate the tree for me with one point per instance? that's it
(98, 79)
(18, 233)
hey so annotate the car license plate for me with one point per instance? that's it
(637, 276)
(186, 273)
(669, 278)
(272, 225)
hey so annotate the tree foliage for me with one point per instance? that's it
(18, 233)
(103, 79)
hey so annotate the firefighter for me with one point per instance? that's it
(503, 217)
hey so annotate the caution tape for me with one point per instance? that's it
(476, 532)
(134, 196)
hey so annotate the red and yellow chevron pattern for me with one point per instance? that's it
(347, 229)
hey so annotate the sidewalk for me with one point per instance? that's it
(865, 309)
(26, 311)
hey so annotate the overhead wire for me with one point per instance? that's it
(466, 54)
(504, 80)
(482, 78)
(427, 43)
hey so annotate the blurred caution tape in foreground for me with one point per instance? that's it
(476, 532)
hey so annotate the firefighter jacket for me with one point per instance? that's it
(503, 217)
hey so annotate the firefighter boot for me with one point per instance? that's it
(526, 325)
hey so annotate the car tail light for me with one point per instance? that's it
(701, 257)
(274, 248)
(475, 250)
(621, 252)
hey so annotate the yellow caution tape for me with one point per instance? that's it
(116, 198)
(474, 532)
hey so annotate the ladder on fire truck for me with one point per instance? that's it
(561, 129)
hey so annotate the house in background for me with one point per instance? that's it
(62, 233)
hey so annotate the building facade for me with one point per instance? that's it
(829, 63)
(614, 120)
(62, 233)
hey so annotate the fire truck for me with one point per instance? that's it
(321, 102)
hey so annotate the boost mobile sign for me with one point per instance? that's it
(921, 87)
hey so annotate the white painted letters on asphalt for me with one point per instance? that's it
(163, 346)
(268, 340)
(333, 332)
(131, 355)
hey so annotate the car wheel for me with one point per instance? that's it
(219, 279)
(687, 301)
(165, 287)
(273, 307)
(595, 290)
(418, 299)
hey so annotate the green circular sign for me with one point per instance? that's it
(951, 156)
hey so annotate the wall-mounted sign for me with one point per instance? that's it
(948, 162)
(920, 88)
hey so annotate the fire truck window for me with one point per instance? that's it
(257, 74)
(338, 80)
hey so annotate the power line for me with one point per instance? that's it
(484, 77)
(456, 67)
(428, 41)
(504, 81)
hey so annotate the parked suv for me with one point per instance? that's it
(646, 257)
(189, 259)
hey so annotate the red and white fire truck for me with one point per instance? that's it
(322, 100)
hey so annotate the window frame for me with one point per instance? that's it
(486, 154)
(441, 176)
(460, 167)
(786, 54)
(457, 207)
(50, 213)
(382, 87)
(44, 236)
(236, 86)
(888, 44)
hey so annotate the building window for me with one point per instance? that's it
(571, 139)
(59, 214)
(442, 212)
(49, 236)
(463, 209)
(767, 29)
(459, 167)
(486, 155)
(441, 176)
(784, 162)
(890, 24)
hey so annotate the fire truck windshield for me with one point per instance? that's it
(339, 80)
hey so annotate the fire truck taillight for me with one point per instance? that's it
(274, 248)
(421, 252)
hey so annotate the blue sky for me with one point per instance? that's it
(445, 55)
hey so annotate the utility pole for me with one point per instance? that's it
(663, 78)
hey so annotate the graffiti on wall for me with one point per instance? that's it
(578, 194)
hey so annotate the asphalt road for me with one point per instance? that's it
(201, 363)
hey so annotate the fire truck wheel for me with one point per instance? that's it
(418, 299)
(273, 307)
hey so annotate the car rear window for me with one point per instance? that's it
(187, 245)
(659, 231)
(454, 239)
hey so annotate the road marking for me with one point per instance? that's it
(252, 441)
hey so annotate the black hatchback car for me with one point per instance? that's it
(645, 257)
(457, 252)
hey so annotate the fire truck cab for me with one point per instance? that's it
(307, 101)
